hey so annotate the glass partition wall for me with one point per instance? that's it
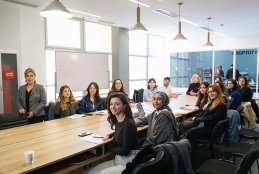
(206, 64)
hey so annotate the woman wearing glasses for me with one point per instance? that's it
(204, 122)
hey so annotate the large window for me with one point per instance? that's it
(146, 59)
(184, 65)
(64, 33)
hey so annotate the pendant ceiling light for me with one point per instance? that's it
(208, 43)
(56, 10)
(138, 26)
(179, 36)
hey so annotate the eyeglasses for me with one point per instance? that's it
(209, 92)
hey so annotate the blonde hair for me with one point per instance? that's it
(217, 100)
(28, 70)
(198, 77)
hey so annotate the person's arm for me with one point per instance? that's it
(214, 116)
(100, 105)
(143, 120)
(19, 99)
(189, 90)
(81, 106)
(129, 136)
(235, 101)
(162, 131)
(57, 110)
(42, 100)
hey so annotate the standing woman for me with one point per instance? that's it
(31, 98)
(66, 104)
(124, 140)
(150, 91)
(92, 101)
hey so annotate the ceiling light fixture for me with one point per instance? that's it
(56, 10)
(208, 43)
(179, 36)
(139, 3)
(138, 26)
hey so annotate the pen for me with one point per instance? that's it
(97, 136)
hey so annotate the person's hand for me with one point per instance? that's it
(132, 105)
(107, 138)
(193, 118)
(193, 93)
(30, 115)
(22, 111)
(196, 108)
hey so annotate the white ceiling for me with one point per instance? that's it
(230, 17)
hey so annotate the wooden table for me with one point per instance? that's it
(52, 141)
(56, 141)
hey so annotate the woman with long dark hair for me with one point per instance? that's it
(233, 94)
(92, 101)
(123, 140)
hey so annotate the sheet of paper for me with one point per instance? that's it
(76, 116)
(93, 138)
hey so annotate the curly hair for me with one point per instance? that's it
(61, 99)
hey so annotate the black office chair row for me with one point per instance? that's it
(213, 166)
(12, 120)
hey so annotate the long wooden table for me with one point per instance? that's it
(57, 140)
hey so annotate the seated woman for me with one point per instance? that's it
(214, 111)
(247, 94)
(92, 101)
(150, 91)
(194, 86)
(117, 86)
(245, 91)
(233, 94)
(66, 104)
(124, 140)
(202, 96)
(217, 79)
(162, 124)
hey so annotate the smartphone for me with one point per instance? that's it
(84, 134)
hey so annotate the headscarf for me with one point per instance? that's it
(165, 101)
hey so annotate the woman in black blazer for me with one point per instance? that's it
(31, 98)
(213, 112)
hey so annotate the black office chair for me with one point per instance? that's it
(216, 136)
(138, 95)
(248, 134)
(150, 167)
(213, 166)
(12, 120)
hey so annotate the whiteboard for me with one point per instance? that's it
(77, 70)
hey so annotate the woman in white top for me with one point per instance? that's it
(150, 91)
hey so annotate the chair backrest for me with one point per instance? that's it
(150, 167)
(138, 95)
(250, 157)
(12, 120)
(219, 130)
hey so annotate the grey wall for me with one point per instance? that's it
(120, 55)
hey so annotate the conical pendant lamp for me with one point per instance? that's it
(208, 43)
(138, 26)
(179, 36)
(56, 10)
